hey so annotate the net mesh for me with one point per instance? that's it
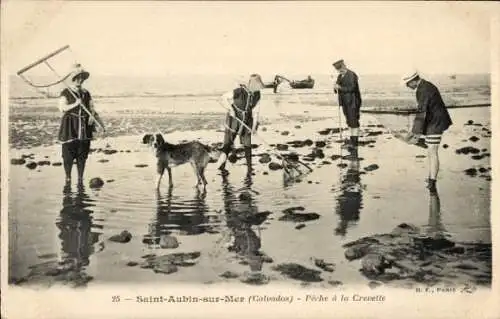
(48, 76)
(397, 124)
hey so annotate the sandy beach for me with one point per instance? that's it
(62, 235)
(330, 221)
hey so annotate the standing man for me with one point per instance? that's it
(242, 108)
(347, 88)
(431, 121)
(77, 127)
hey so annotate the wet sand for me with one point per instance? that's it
(62, 234)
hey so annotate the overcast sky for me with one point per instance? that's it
(160, 38)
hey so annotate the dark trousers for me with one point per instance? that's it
(75, 150)
(351, 116)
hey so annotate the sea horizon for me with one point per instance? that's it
(206, 85)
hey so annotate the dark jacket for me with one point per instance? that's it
(75, 121)
(432, 116)
(243, 104)
(349, 94)
(241, 96)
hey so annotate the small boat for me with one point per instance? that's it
(303, 84)
(453, 77)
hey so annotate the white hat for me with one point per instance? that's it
(255, 82)
(411, 77)
(79, 70)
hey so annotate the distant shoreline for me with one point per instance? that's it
(413, 111)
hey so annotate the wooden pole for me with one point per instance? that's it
(48, 56)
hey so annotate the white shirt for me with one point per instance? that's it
(283, 87)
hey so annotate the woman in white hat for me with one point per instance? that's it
(77, 126)
(241, 104)
(431, 121)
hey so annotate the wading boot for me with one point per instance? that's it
(221, 163)
(68, 165)
(351, 144)
(354, 142)
(431, 185)
(346, 144)
(248, 158)
(353, 154)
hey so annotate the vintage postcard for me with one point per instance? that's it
(249, 159)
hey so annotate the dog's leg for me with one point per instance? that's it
(160, 175)
(160, 169)
(170, 181)
(202, 180)
(202, 175)
(197, 173)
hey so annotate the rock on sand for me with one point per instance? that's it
(275, 166)
(124, 237)
(168, 242)
(96, 182)
(371, 167)
(18, 161)
(298, 272)
(31, 165)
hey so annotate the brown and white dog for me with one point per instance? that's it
(170, 155)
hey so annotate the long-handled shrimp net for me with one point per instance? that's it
(397, 123)
(49, 85)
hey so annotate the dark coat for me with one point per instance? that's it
(75, 121)
(243, 104)
(241, 96)
(349, 94)
(432, 116)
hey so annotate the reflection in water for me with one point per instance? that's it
(436, 227)
(175, 213)
(75, 223)
(241, 214)
(349, 201)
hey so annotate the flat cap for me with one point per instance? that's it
(338, 63)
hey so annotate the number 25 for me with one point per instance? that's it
(115, 298)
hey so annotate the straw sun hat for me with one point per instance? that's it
(255, 82)
(78, 70)
(410, 77)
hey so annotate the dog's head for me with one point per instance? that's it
(153, 140)
(214, 155)
(214, 152)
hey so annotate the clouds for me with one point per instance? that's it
(160, 38)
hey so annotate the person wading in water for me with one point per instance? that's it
(431, 121)
(242, 105)
(77, 127)
(347, 88)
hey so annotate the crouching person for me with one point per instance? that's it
(431, 121)
(242, 119)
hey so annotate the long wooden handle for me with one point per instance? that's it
(48, 56)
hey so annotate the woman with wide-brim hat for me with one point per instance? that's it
(242, 105)
(77, 126)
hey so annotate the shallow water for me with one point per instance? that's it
(50, 222)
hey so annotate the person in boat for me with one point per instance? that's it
(276, 83)
(242, 109)
(349, 95)
(431, 121)
(77, 127)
